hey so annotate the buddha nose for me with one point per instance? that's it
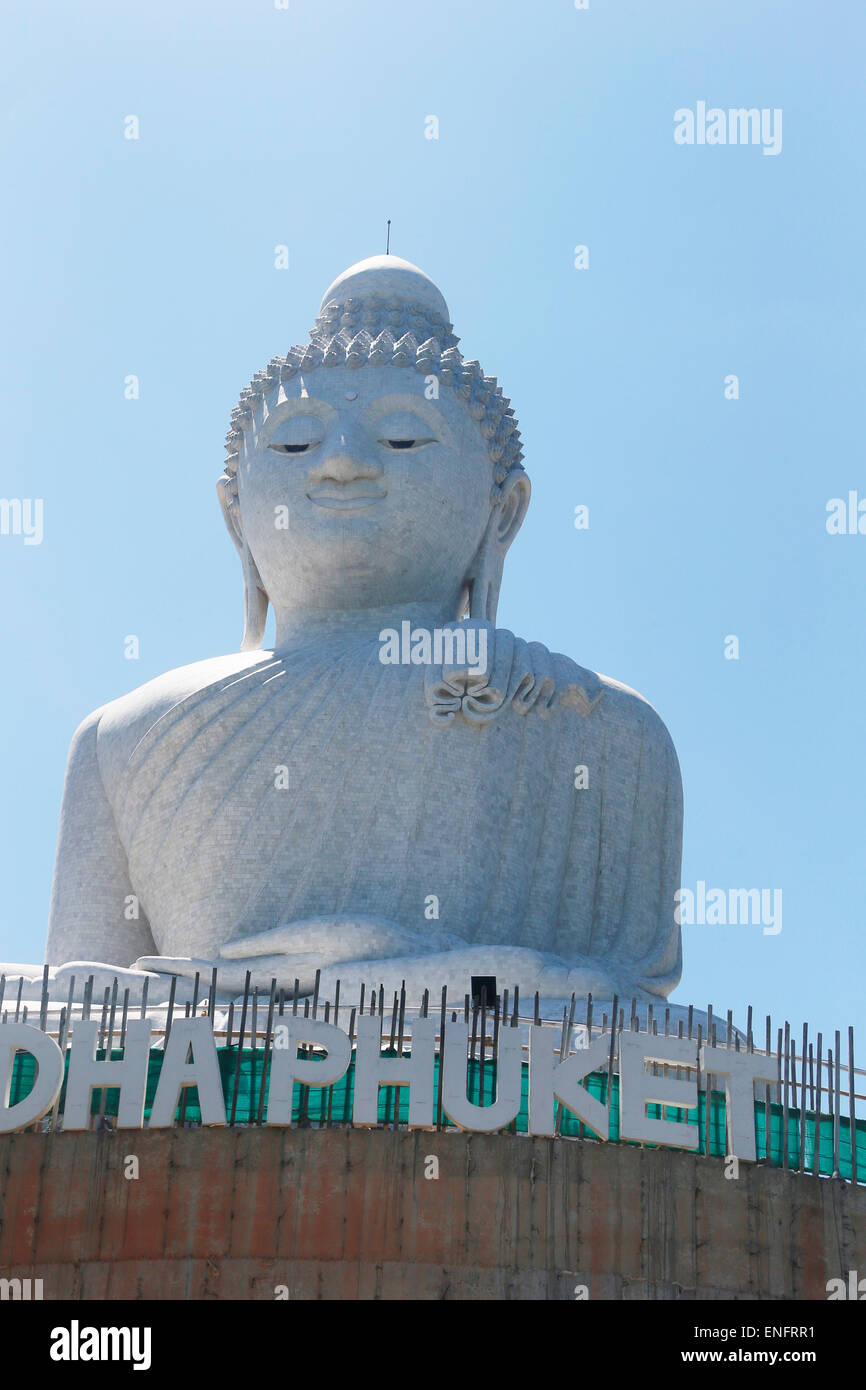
(347, 456)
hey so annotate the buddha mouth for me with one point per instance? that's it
(345, 501)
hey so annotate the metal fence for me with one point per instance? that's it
(806, 1122)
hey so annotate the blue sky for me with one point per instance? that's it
(306, 127)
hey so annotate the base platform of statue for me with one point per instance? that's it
(342, 1214)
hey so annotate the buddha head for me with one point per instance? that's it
(373, 468)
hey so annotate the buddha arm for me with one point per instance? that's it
(92, 893)
(550, 976)
(369, 951)
(533, 971)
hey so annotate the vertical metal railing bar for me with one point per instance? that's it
(831, 1109)
(786, 1081)
(171, 996)
(581, 1130)
(101, 1043)
(304, 1095)
(612, 1051)
(320, 1090)
(768, 1092)
(392, 1092)
(819, 1055)
(66, 1019)
(124, 1016)
(803, 1105)
(103, 1018)
(181, 1119)
(266, 1065)
(852, 1118)
(43, 1002)
(483, 1039)
(473, 1042)
(351, 1047)
(495, 1046)
(51, 1122)
(781, 1089)
(316, 984)
(564, 1049)
(709, 1041)
(240, 1053)
(704, 1139)
(112, 1017)
(254, 1026)
(836, 1106)
(443, 1011)
(794, 1084)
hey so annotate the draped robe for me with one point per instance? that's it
(255, 791)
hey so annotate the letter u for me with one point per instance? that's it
(509, 1072)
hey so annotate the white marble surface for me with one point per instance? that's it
(310, 807)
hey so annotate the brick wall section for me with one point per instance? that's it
(232, 1213)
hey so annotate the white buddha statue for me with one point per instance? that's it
(316, 806)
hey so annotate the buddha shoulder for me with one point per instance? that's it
(111, 732)
(585, 692)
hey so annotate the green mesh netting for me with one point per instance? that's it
(246, 1099)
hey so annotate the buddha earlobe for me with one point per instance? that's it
(255, 604)
(485, 574)
(255, 598)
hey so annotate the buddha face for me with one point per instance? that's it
(358, 492)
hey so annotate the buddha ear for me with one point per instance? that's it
(512, 509)
(482, 583)
(255, 598)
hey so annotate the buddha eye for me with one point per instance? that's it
(293, 448)
(406, 443)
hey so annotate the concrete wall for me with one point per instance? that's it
(233, 1213)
